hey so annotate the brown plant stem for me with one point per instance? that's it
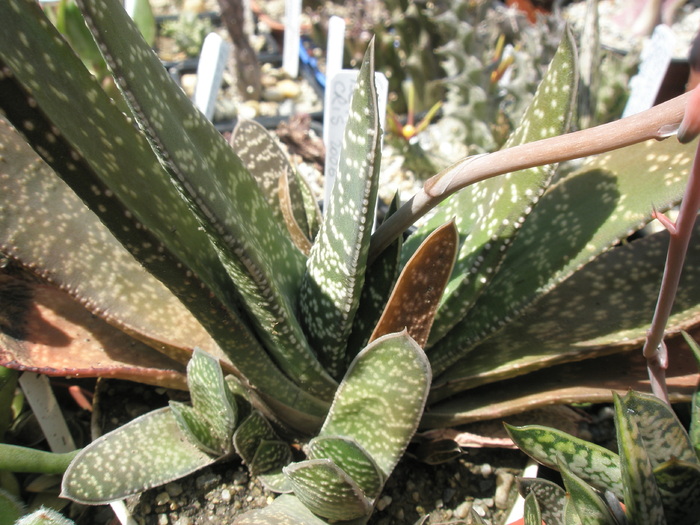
(654, 348)
(658, 123)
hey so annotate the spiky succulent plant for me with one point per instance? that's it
(156, 225)
(655, 471)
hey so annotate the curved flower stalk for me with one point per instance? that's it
(680, 233)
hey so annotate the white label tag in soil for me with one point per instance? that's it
(338, 96)
(210, 71)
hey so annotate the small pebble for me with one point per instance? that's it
(504, 482)
(486, 470)
(383, 502)
(225, 495)
(207, 480)
(415, 496)
(462, 511)
(162, 498)
(174, 489)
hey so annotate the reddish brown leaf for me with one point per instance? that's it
(591, 380)
(417, 293)
(44, 330)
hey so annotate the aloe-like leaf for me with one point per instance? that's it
(663, 435)
(268, 163)
(257, 254)
(39, 319)
(584, 500)
(327, 490)
(211, 419)
(679, 486)
(146, 452)
(253, 432)
(596, 465)
(271, 456)
(602, 308)
(578, 218)
(641, 494)
(550, 498)
(571, 516)
(490, 214)
(284, 510)
(212, 401)
(332, 284)
(588, 381)
(380, 278)
(97, 269)
(350, 457)
(389, 373)
(145, 193)
(532, 515)
(417, 292)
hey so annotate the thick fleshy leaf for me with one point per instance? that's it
(604, 307)
(417, 292)
(578, 218)
(679, 486)
(258, 445)
(380, 278)
(335, 270)
(381, 399)
(550, 498)
(96, 269)
(211, 419)
(327, 490)
(46, 331)
(269, 460)
(588, 381)
(532, 514)
(267, 162)
(489, 214)
(146, 452)
(641, 494)
(663, 435)
(596, 465)
(212, 401)
(257, 254)
(588, 505)
(285, 510)
(571, 516)
(350, 457)
(145, 195)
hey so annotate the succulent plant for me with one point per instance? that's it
(179, 241)
(655, 472)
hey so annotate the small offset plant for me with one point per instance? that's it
(656, 471)
(179, 241)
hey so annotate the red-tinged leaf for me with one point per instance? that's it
(50, 333)
(417, 293)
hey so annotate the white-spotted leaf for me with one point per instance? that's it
(335, 270)
(327, 490)
(147, 452)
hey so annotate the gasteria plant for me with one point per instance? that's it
(656, 472)
(179, 241)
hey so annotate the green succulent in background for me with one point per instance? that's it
(656, 471)
(169, 240)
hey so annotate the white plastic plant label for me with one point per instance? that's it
(338, 96)
(210, 71)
